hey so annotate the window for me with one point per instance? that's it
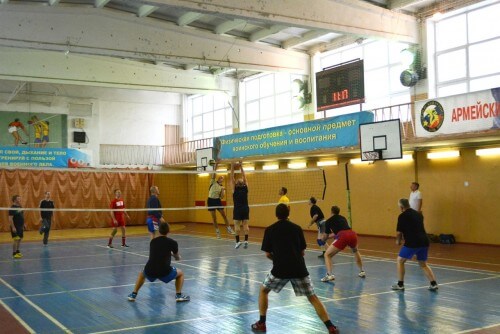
(382, 66)
(466, 44)
(208, 116)
(269, 100)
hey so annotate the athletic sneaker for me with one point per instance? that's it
(333, 330)
(124, 245)
(433, 287)
(182, 298)
(18, 256)
(132, 297)
(230, 230)
(362, 274)
(328, 278)
(259, 327)
(398, 287)
(110, 246)
(245, 245)
(237, 245)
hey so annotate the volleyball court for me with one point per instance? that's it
(81, 286)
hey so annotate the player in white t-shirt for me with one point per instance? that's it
(415, 197)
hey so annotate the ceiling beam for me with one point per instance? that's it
(401, 4)
(354, 17)
(83, 30)
(228, 26)
(145, 10)
(308, 36)
(188, 18)
(100, 3)
(264, 33)
(335, 44)
(55, 67)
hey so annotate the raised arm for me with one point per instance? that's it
(243, 174)
(232, 182)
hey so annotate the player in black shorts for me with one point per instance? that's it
(16, 220)
(241, 210)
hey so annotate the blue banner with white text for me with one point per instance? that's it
(17, 156)
(339, 131)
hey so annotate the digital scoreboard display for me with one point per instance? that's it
(340, 86)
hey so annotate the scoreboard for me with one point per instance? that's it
(341, 85)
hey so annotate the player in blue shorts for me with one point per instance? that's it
(416, 243)
(161, 250)
(155, 217)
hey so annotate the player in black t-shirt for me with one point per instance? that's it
(46, 216)
(241, 212)
(338, 228)
(411, 229)
(16, 220)
(318, 218)
(161, 249)
(284, 244)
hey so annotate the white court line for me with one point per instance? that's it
(271, 308)
(433, 257)
(36, 307)
(15, 316)
(70, 270)
(361, 249)
(478, 329)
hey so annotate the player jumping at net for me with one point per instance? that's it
(318, 218)
(118, 217)
(337, 227)
(161, 250)
(241, 212)
(155, 217)
(216, 193)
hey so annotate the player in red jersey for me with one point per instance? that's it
(118, 217)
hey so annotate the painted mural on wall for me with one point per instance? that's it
(33, 129)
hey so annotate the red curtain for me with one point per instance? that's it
(74, 190)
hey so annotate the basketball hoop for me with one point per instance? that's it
(371, 155)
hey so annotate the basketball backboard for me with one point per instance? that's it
(203, 157)
(380, 140)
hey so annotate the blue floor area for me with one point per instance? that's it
(81, 287)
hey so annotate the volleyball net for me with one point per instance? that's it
(82, 197)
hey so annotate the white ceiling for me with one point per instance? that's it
(194, 38)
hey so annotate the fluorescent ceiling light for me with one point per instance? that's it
(358, 161)
(203, 174)
(488, 152)
(327, 163)
(443, 154)
(248, 167)
(297, 165)
(405, 158)
(270, 167)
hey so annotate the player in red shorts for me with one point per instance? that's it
(337, 227)
(118, 217)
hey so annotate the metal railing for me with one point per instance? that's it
(402, 111)
(131, 155)
(185, 153)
